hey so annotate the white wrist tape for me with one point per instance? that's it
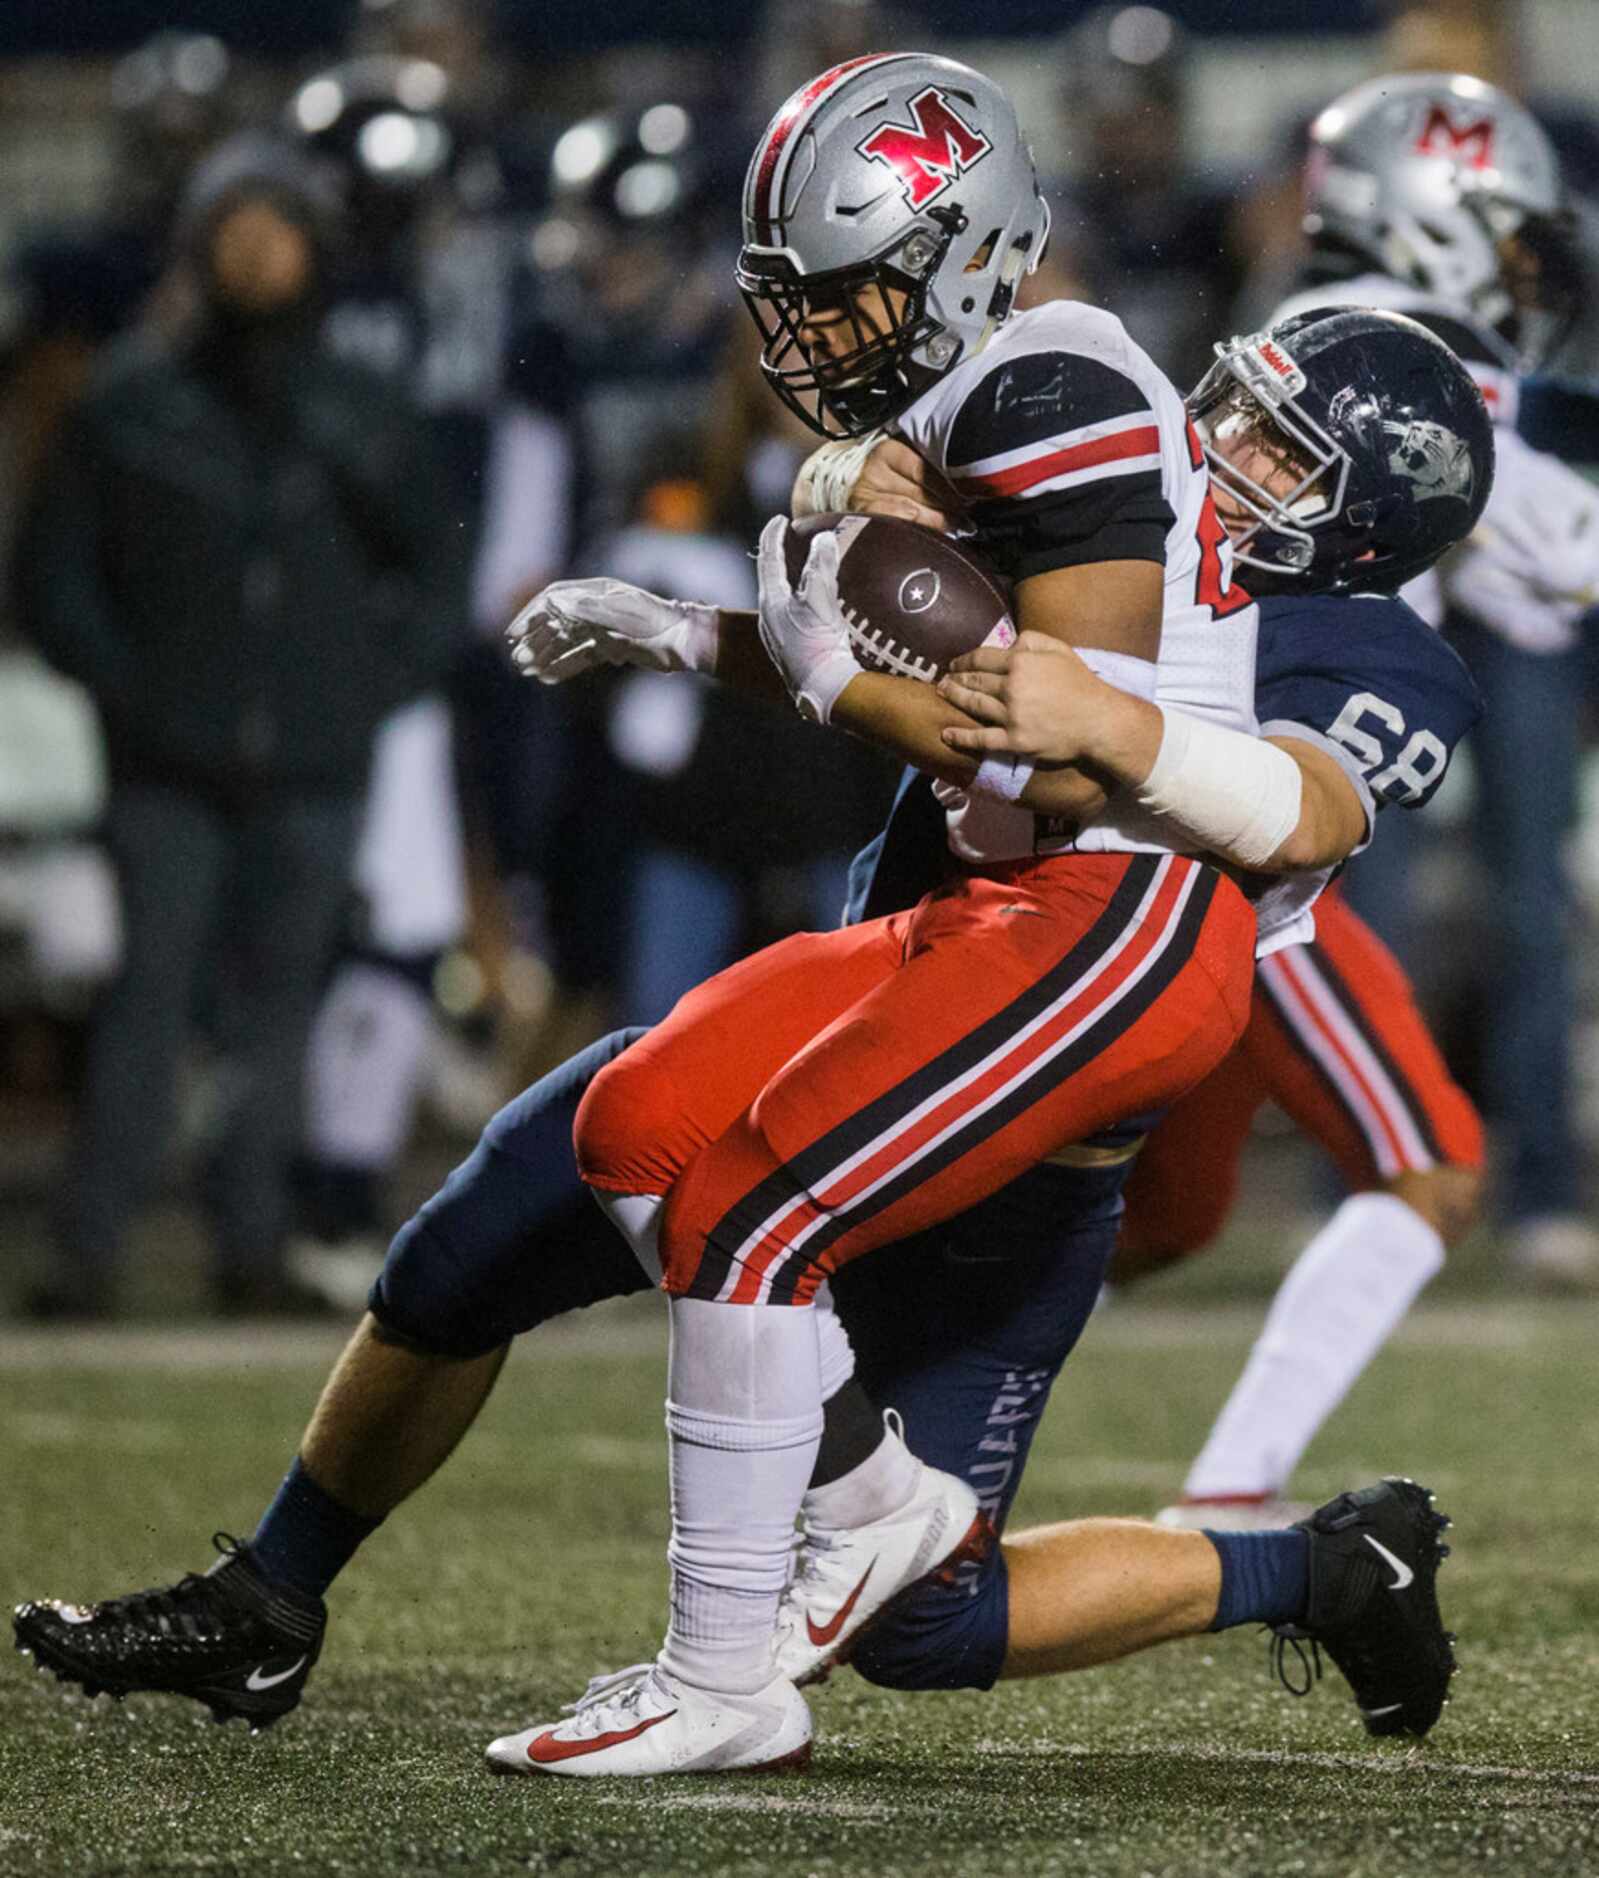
(700, 637)
(1002, 776)
(1236, 794)
(828, 474)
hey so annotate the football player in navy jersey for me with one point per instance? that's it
(436, 1355)
(1335, 1037)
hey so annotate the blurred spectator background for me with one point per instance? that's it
(533, 209)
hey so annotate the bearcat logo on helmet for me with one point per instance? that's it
(928, 154)
(1466, 143)
(1435, 460)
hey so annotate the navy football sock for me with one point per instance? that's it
(306, 1537)
(1265, 1577)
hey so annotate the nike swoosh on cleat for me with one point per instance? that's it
(547, 1749)
(1374, 1714)
(1402, 1572)
(825, 1633)
(255, 1680)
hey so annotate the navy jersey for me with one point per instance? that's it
(1373, 684)
(1365, 679)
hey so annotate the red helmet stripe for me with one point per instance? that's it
(789, 119)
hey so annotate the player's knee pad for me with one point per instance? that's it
(942, 1636)
(513, 1237)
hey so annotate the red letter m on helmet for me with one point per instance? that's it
(1472, 144)
(930, 153)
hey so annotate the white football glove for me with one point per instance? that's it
(1530, 569)
(805, 634)
(574, 625)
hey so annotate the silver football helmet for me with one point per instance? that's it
(890, 209)
(1446, 182)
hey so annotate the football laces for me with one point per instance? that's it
(887, 654)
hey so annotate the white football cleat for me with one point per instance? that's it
(642, 1721)
(1239, 1513)
(847, 1575)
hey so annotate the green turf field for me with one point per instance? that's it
(535, 1560)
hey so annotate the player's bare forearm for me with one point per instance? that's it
(1332, 817)
(907, 718)
(1038, 701)
(1119, 749)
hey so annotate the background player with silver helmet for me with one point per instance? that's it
(1440, 195)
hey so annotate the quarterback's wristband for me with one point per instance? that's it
(1235, 794)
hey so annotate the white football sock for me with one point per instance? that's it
(1336, 1308)
(637, 1217)
(884, 1482)
(744, 1417)
(364, 1065)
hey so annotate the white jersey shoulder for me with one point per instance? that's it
(1139, 428)
(1495, 373)
(1059, 326)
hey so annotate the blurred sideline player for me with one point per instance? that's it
(452, 1401)
(426, 294)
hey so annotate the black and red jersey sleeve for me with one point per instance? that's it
(1058, 455)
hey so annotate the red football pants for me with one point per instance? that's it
(842, 1090)
(1335, 1039)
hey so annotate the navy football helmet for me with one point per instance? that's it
(1348, 450)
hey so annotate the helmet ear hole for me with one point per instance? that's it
(985, 252)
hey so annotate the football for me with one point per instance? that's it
(913, 599)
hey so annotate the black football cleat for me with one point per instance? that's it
(1373, 1607)
(229, 1638)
